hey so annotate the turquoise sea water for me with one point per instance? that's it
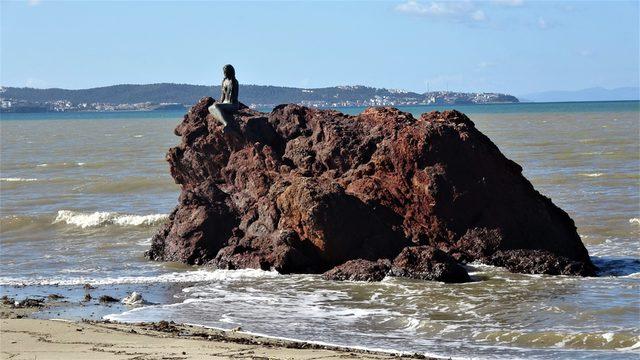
(82, 193)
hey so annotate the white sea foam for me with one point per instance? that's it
(634, 221)
(632, 347)
(201, 275)
(42, 165)
(13, 179)
(608, 336)
(145, 242)
(102, 218)
(81, 164)
(137, 136)
(592, 174)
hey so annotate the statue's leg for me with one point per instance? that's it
(218, 113)
(227, 111)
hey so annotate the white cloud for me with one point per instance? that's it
(458, 11)
(33, 2)
(486, 64)
(542, 23)
(495, 14)
(478, 15)
(433, 8)
(509, 2)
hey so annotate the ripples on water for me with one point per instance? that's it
(81, 195)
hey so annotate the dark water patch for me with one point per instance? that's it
(616, 266)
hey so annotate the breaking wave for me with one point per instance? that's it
(174, 277)
(634, 221)
(102, 218)
(61, 165)
(13, 179)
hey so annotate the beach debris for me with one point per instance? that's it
(164, 326)
(29, 302)
(6, 300)
(134, 299)
(236, 329)
(302, 190)
(88, 286)
(87, 297)
(55, 297)
(107, 299)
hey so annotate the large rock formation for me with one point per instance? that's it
(305, 190)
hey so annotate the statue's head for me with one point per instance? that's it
(229, 71)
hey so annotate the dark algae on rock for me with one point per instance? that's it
(303, 190)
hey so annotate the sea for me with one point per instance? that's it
(81, 195)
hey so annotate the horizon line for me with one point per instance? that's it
(316, 88)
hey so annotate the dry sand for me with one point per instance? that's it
(22, 337)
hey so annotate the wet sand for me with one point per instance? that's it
(23, 337)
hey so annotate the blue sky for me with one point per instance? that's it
(513, 46)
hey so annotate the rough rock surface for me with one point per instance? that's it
(304, 190)
(359, 270)
(428, 263)
(538, 262)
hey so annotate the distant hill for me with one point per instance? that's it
(152, 96)
(591, 94)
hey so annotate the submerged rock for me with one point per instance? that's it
(359, 270)
(538, 262)
(303, 190)
(428, 263)
(416, 262)
(107, 299)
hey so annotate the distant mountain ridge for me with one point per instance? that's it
(146, 97)
(590, 94)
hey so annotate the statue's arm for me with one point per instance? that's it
(222, 91)
(234, 91)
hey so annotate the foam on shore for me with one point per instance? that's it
(193, 276)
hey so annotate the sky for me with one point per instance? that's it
(510, 46)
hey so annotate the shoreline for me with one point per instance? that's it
(26, 337)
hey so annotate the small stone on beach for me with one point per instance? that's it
(134, 299)
(107, 299)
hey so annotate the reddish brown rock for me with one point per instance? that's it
(537, 262)
(359, 270)
(304, 190)
(428, 263)
(197, 229)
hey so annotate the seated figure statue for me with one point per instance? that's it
(223, 110)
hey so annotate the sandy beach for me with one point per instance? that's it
(23, 337)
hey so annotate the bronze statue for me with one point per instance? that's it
(228, 104)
